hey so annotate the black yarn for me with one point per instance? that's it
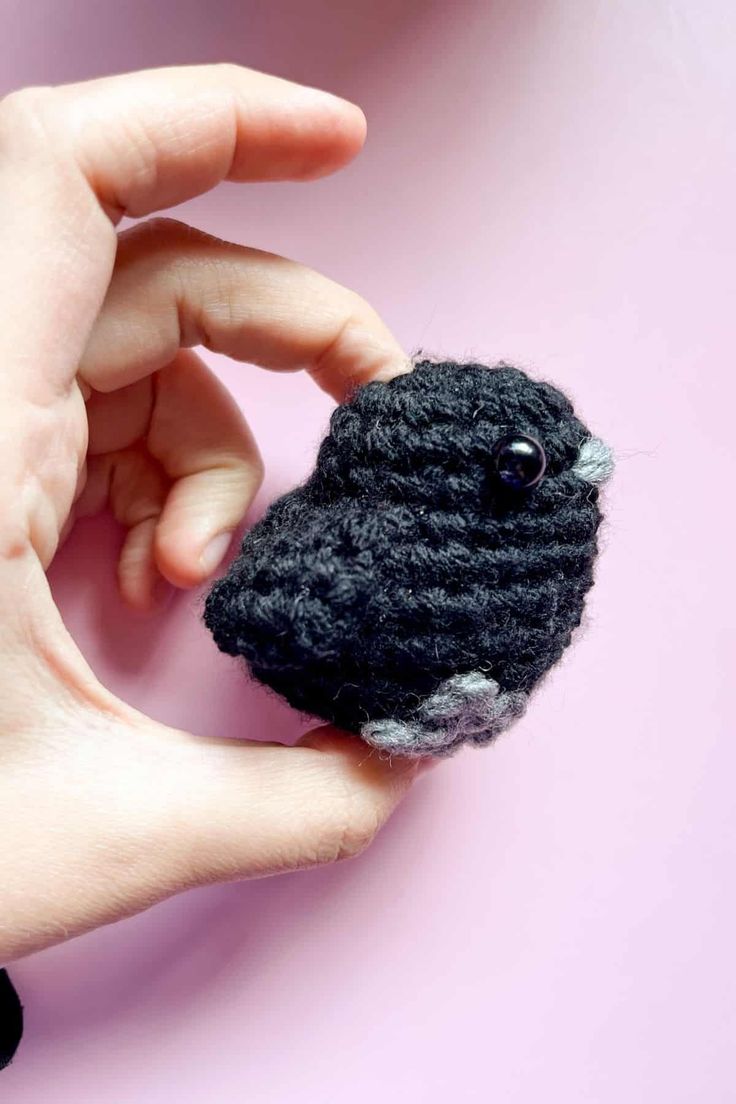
(11, 1020)
(402, 561)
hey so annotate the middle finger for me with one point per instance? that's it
(176, 287)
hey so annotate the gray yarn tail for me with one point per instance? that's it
(469, 707)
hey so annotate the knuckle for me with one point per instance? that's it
(228, 70)
(358, 828)
(166, 228)
(241, 467)
(258, 470)
(155, 231)
(357, 350)
(160, 235)
(27, 110)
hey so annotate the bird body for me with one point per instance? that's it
(433, 567)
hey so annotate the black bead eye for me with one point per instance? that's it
(519, 462)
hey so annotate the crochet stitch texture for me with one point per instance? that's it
(401, 592)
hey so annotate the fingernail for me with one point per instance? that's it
(214, 551)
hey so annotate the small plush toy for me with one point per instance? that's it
(432, 568)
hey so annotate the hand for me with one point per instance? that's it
(103, 811)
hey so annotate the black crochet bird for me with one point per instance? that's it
(432, 568)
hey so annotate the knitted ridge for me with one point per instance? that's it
(401, 593)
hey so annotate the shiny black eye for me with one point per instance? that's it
(519, 462)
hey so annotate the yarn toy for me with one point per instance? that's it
(420, 583)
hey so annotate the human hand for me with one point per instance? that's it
(103, 811)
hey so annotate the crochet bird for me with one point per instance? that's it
(416, 588)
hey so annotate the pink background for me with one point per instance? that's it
(551, 920)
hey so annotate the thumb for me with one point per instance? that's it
(256, 809)
(112, 813)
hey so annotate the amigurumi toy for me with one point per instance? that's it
(432, 568)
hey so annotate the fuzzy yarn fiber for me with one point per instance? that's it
(402, 593)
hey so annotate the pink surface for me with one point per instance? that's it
(551, 920)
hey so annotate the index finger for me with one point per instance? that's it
(77, 158)
(149, 140)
